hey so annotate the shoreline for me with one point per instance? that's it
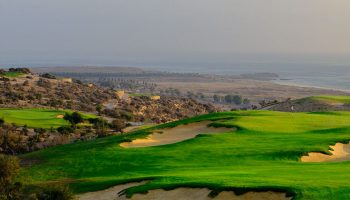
(281, 82)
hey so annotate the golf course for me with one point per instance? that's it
(257, 151)
(37, 118)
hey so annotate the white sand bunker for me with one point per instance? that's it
(176, 134)
(180, 193)
(340, 152)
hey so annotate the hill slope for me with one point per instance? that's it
(27, 90)
(315, 104)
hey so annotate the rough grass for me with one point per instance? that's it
(263, 154)
(36, 118)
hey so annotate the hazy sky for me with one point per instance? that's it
(122, 31)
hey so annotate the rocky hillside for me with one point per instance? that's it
(19, 87)
(30, 90)
(165, 109)
(314, 104)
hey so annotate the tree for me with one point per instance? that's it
(39, 131)
(228, 98)
(236, 99)
(216, 98)
(246, 101)
(100, 125)
(26, 83)
(64, 130)
(9, 139)
(99, 108)
(74, 118)
(55, 192)
(9, 166)
(25, 130)
(118, 125)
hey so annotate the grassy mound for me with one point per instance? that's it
(315, 104)
(36, 118)
(263, 154)
(333, 99)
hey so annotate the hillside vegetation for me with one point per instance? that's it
(263, 154)
(19, 88)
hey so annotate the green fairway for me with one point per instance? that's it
(263, 154)
(36, 118)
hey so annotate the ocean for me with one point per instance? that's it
(322, 76)
(331, 76)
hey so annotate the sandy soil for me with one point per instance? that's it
(254, 90)
(179, 193)
(340, 152)
(174, 135)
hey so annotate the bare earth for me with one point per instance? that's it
(174, 135)
(179, 193)
(255, 90)
(340, 152)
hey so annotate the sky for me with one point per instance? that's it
(164, 32)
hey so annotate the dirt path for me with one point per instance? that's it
(176, 134)
(340, 152)
(179, 193)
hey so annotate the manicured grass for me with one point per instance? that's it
(13, 74)
(36, 118)
(333, 99)
(263, 154)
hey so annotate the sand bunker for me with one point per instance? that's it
(60, 116)
(202, 194)
(108, 194)
(340, 152)
(180, 193)
(176, 134)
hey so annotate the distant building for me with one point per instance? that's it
(67, 80)
(155, 97)
(120, 93)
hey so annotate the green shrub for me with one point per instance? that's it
(57, 192)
